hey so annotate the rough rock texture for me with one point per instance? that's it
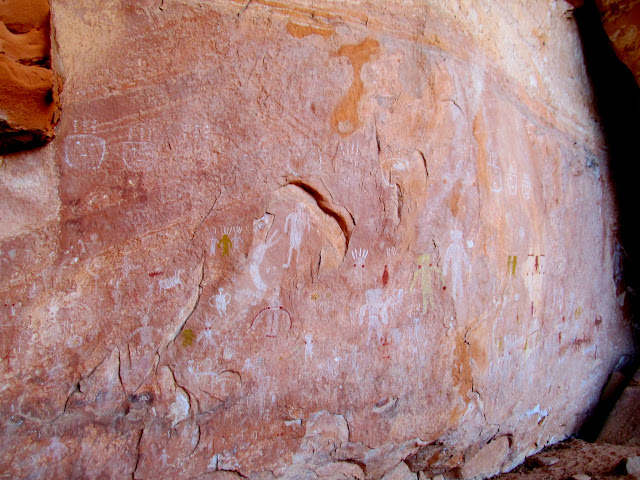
(623, 425)
(578, 459)
(307, 240)
(621, 21)
(29, 103)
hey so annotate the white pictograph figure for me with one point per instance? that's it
(308, 346)
(257, 258)
(526, 187)
(214, 241)
(512, 181)
(495, 173)
(84, 149)
(274, 319)
(204, 369)
(221, 300)
(359, 257)
(377, 309)
(56, 449)
(164, 457)
(296, 224)
(145, 332)
(137, 152)
(236, 240)
(350, 152)
(455, 258)
(207, 332)
(171, 282)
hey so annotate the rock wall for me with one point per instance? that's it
(29, 89)
(307, 239)
(620, 20)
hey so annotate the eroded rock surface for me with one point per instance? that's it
(307, 240)
(29, 103)
(621, 21)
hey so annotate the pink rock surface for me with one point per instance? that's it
(306, 240)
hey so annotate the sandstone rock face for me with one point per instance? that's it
(307, 239)
(29, 104)
(621, 21)
(623, 425)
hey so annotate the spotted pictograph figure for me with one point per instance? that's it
(512, 181)
(296, 224)
(455, 260)
(84, 149)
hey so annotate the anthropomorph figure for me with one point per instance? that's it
(274, 319)
(359, 257)
(454, 259)
(377, 310)
(145, 332)
(225, 242)
(422, 276)
(296, 224)
(222, 299)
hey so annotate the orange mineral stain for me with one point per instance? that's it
(299, 31)
(345, 119)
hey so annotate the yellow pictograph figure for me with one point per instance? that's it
(512, 263)
(225, 243)
(422, 275)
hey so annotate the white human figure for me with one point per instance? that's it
(164, 457)
(237, 239)
(308, 346)
(257, 258)
(378, 310)
(359, 257)
(207, 331)
(455, 257)
(222, 299)
(146, 332)
(296, 224)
